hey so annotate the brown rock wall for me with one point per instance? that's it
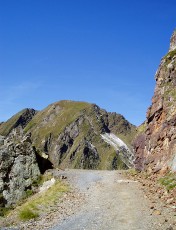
(158, 147)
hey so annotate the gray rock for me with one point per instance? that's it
(18, 168)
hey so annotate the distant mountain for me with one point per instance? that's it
(70, 133)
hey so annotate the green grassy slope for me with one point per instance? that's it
(92, 121)
(7, 126)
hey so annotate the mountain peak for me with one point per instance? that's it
(173, 41)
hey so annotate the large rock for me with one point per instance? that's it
(156, 147)
(18, 168)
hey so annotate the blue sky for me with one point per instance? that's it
(101, 51)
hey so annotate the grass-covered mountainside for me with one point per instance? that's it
(68, 134)
(20, 119)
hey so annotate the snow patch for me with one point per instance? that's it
(113, 140)
(120, 147)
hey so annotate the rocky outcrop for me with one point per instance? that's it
(156, 147)
(90, 157)
(18, 168)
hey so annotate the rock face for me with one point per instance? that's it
(18, 168)
(156, 147)
(69, 134)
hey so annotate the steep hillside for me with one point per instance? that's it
(20, 119)
(156, 147)
(69, 134)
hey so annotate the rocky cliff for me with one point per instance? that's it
(155, 146)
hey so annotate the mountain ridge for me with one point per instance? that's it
(19, 119)
(72, 123)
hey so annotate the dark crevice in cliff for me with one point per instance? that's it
(43, 164)
(63, 149)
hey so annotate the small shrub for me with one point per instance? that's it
(1, 199)
(38, 181)
(169, 181)
(27, 214)
(132, 172)
(169, 56)
(4, 211)
(29, 193)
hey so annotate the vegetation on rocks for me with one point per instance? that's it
(27, 214)
(7, 126)
(57, 116)
(168, 181)
(168, 58)
(4, 211)
(41, 201)
(141, 128)
(33, 206)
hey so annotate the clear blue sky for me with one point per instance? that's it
(101, 51)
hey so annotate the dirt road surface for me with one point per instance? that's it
(112, 203)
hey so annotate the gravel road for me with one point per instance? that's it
(112, 203)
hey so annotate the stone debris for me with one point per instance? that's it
(162, 202)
